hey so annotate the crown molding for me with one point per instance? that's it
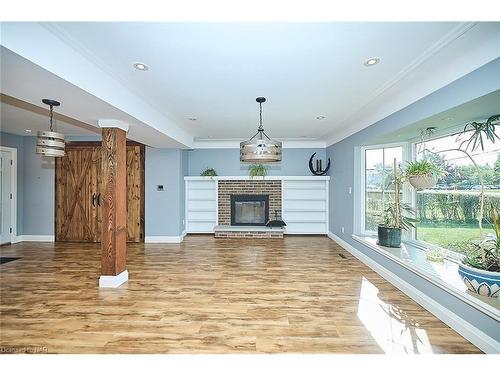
(113, 124)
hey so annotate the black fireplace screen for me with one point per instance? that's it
(249, 209)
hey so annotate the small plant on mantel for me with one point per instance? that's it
(209, 172)
(257, 170)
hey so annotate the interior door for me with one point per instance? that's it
(78, 214)
(5, 197)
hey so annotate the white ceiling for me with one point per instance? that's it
(213, 72)
(19, 121)
(29, 82)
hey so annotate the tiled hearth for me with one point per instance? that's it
(226, 231)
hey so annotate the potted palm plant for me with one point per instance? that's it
(396, 216)
(423, 174)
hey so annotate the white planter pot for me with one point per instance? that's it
(485, 283)
(422, 181)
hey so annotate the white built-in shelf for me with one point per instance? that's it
(201, 205)
(305, 206)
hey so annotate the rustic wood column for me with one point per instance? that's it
(114, 208)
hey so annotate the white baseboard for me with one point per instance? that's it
(113, 281)
(165, 239)
(484, 342)
(34, 238)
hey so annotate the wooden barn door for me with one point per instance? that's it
(135, 193)
(77, 212)
(78, 195)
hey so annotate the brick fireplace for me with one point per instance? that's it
(227, 188)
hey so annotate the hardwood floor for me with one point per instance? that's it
(298, 294)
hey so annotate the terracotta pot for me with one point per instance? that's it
(422, 181)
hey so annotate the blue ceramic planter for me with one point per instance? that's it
(482, 282)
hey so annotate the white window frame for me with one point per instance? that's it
(359, 183)
(412, 240)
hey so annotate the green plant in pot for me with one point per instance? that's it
(209, 172)
(480, 269)
(423, 174)
(397, 216)
(257, 170)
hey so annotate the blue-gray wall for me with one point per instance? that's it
(226, 161)
(38, 191)
(164, 210)
(478, 83)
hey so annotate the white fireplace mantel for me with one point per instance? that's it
(267, 178)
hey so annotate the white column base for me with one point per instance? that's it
(113, 281)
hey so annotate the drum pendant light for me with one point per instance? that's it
(260, 148)
(50, 143)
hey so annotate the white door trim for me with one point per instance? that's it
(13, 189)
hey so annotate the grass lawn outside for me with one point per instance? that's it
(450, 235)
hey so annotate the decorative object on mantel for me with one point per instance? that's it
(209, 172)
(50, 143)
(260, 148)
(277, 222)
(319, 168)
(257, 170)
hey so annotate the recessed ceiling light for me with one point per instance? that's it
(28, 130)
(372, 61)
(320, 117)
(192, 118)
(141, 66)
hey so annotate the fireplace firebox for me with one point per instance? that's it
(249, 209)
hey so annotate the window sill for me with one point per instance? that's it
(442, 274)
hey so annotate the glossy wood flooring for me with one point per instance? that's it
(299, 294)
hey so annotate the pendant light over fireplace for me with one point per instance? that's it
(260, 148)
(50, 143)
